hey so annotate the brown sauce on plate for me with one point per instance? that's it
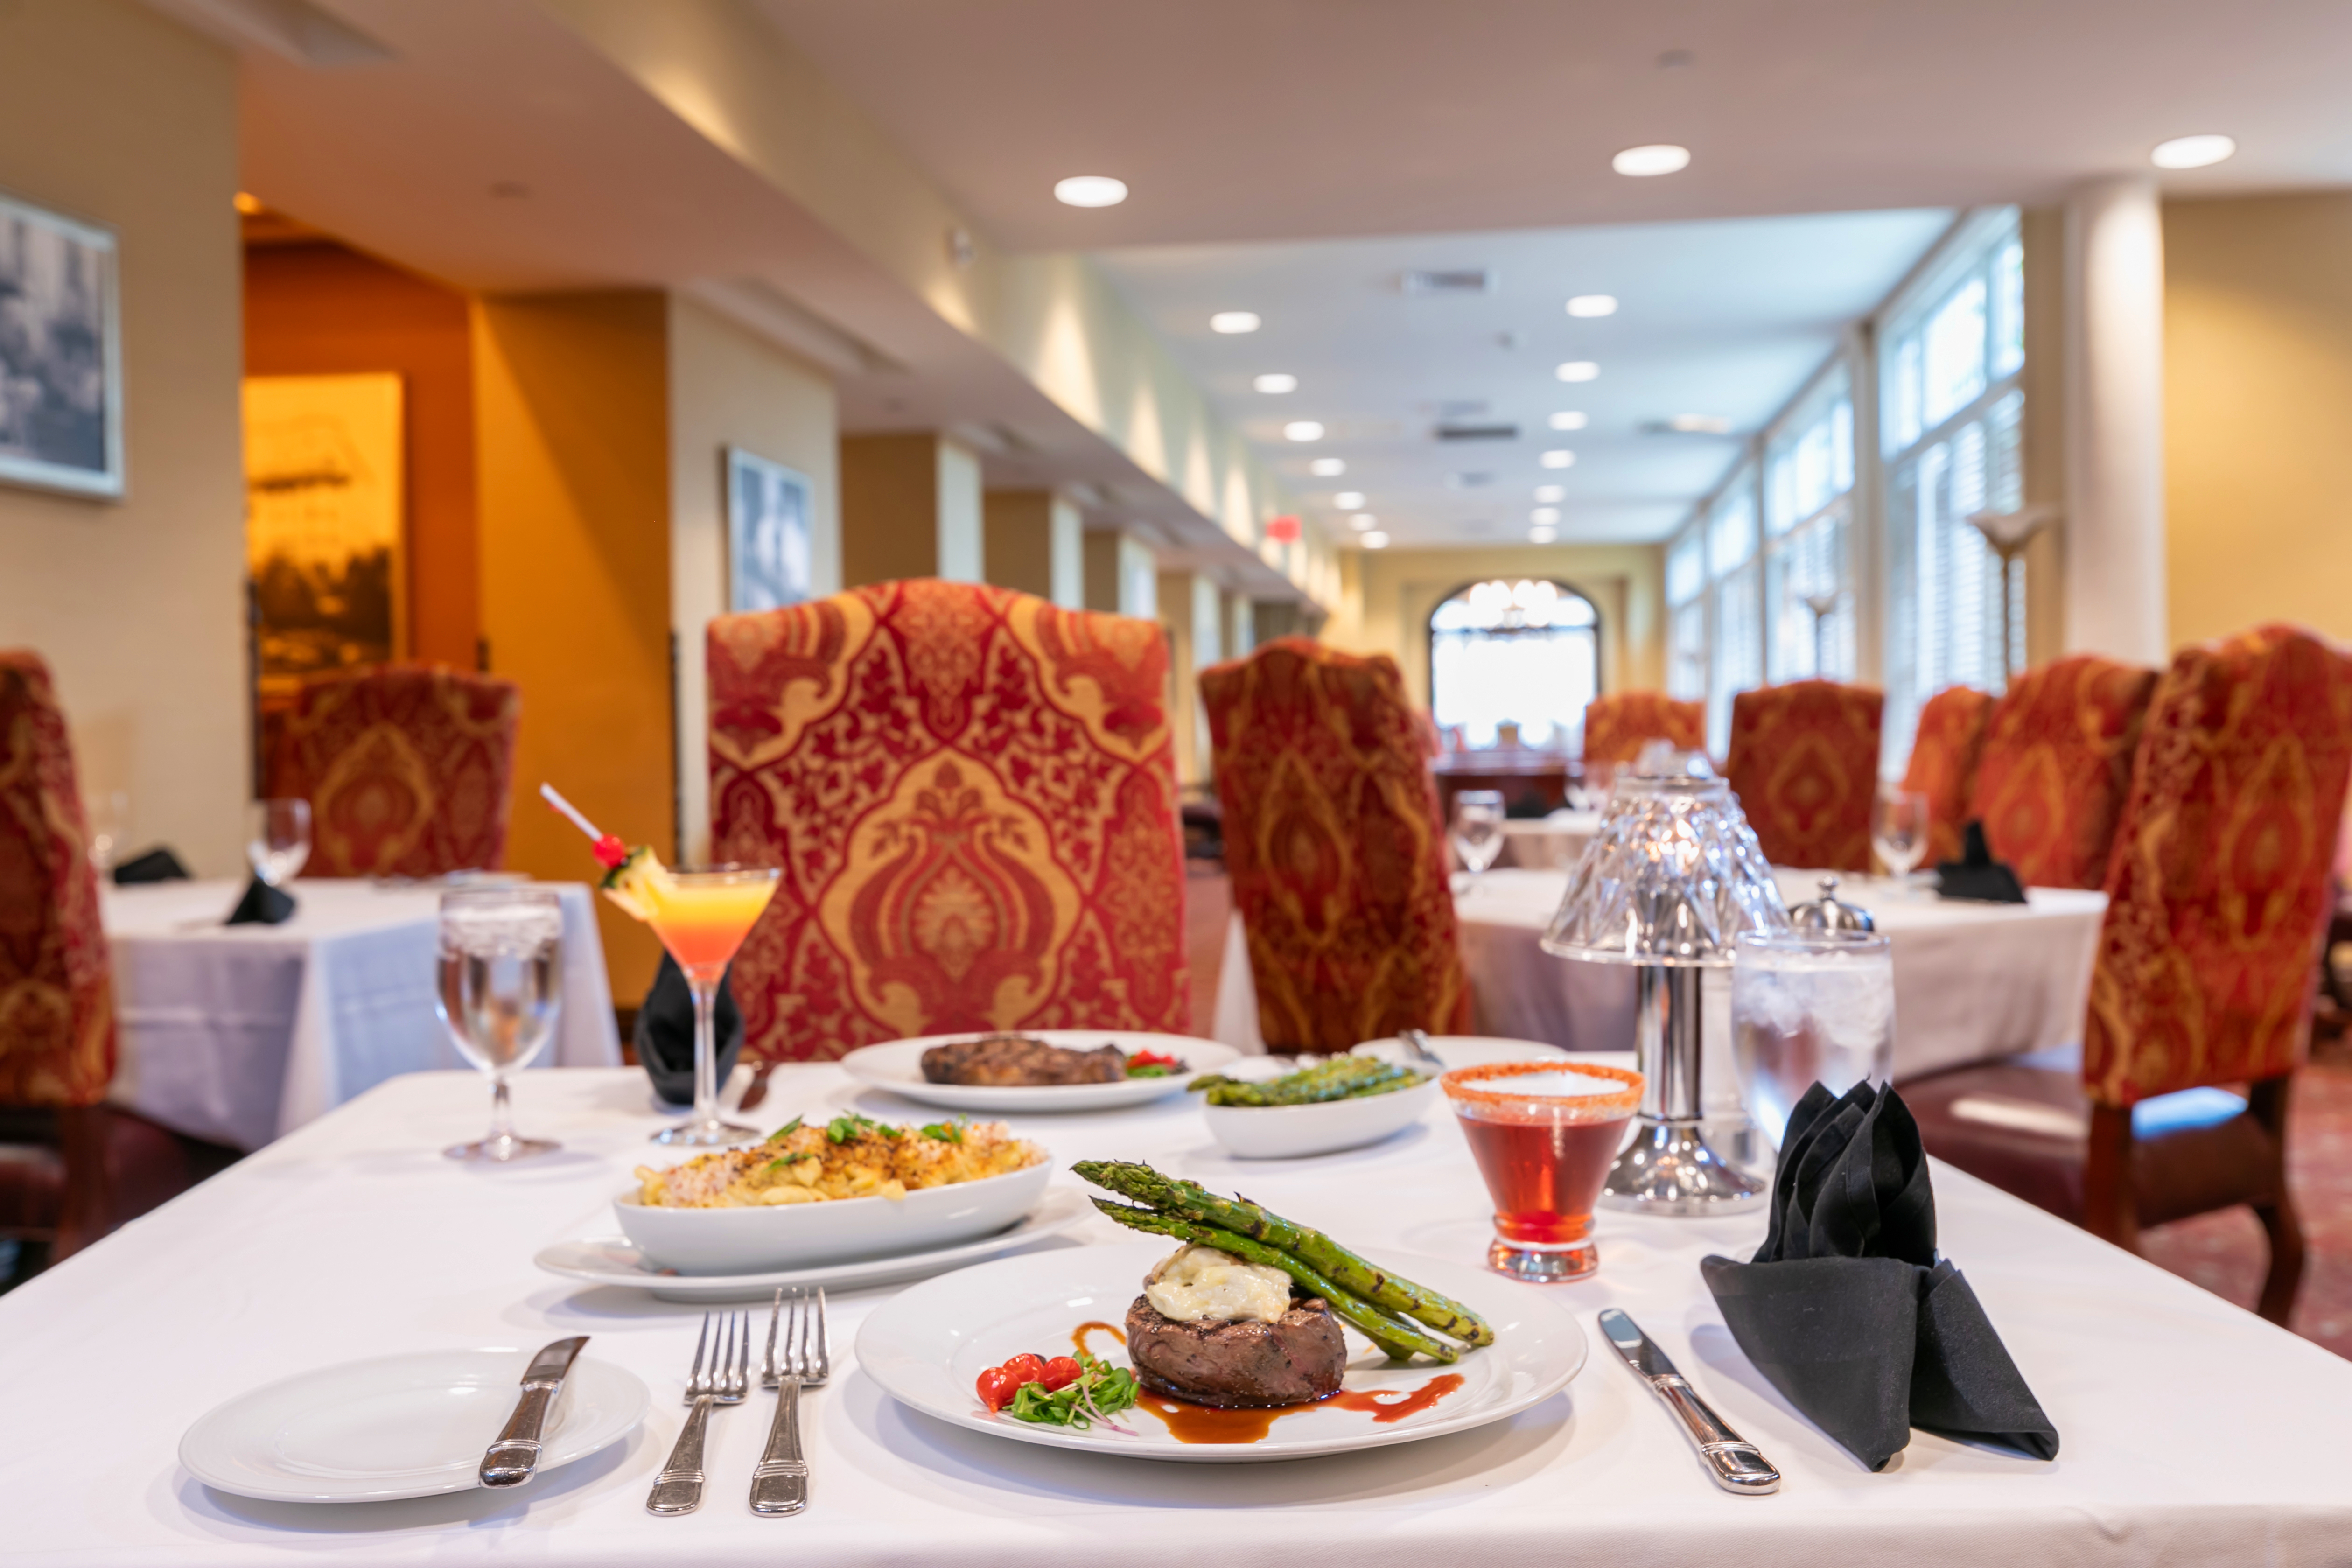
(1189, 1423)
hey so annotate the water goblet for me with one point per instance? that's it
(1544, 1133)
(1809, 1007)
(277, 839)
(500, 989)
(1898, 829)
(1478, 828)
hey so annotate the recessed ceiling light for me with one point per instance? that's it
(1373, 541)
(1544, 514)
(1364, 522)
(1234, 321)
(1328, 467)
(1657, 158)
(1566, 419)
(1349, 500)
(1542, 535)
(1557, 457)
(2192, 152)
(1550, 493)
(1700, 423)
(1594, 305)
(1090, 191)
(1275, 381)
(1578, 370)
(1302, 430)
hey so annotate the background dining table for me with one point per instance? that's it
(2192, 1431)
(241, 1034)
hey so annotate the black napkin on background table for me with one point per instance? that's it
(262, 905)
(157, 865)
(1847, 1309)
(664, 1034)
(1977, 875)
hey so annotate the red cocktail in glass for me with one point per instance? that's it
(1543, 1133)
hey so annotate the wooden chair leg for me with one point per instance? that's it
(88, 1211)
(2267, 1101)
(2110, 1205)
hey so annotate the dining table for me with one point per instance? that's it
(240, 1034)
(2190, 1431)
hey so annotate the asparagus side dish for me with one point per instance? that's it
(1342, 1078)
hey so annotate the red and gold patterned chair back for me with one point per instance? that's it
(1617, 726)
(1335, 848)
(2057, 759)
(2218, 892)
(56, 997)
(1804, 763)
(1942, 767)
(407, 769)
(973, 797)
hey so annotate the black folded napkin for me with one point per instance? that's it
(1977, 875)
(262, 905)
(157, 865)
(1847, 1309)
(664, 1034)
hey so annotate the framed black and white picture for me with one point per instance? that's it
(61, 353)
(767, 534)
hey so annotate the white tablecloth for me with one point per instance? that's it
(240, 1034)
(2192, 1432)
(1548, 843)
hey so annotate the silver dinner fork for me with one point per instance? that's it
(801, 1359)
(1416, 1046)
(726, 1379)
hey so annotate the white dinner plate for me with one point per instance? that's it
(404, 1425)
(611, 1260)
(898, 1067)
(927, 1345)
(1477, 1051)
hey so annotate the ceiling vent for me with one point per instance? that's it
(1478, 432)
(1451, 280)
(1688, 424)
(1468, 481)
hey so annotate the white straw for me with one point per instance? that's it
(547, 793)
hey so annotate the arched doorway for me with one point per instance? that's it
(1524, 652)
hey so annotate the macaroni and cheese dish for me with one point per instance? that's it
(849, 1157)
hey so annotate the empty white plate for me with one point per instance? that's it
(898, 1067)
(398, 1426)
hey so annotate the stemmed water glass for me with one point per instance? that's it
(500, 988)
(1898, 829)
(277, 839)
(1478, 828)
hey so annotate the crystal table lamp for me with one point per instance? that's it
(1667, 885)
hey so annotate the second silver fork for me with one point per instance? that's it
(801, 1359)
(723, 1378)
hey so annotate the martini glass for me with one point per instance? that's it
(703, 917)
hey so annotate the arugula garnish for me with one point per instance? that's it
(946, 1132)
(849, 1125)
(1101, 1392)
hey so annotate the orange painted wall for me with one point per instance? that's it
(571, 401)
(322, 309)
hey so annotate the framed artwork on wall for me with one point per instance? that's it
(767, 532)
(61, 353)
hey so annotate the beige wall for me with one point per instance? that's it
(728, 389)
(1388, 594)
(2258, 405)
(112, 115)
(1034, 545)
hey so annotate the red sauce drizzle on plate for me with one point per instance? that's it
(1078, 1335)
(1189, 1423)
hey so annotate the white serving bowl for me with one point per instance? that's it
(803, 1236)
(1294, 1131)
(1477, 1051)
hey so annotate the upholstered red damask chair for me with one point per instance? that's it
(1943, 767)
(2216, 898)
(1336, 847)
(1804, 763)
(2057, 759)
(407, 770)
(70, 1168)
(973, 797)
(1617, 726)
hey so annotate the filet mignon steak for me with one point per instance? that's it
(1295, 1359)
(1007, 1061)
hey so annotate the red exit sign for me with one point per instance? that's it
(1282, 530)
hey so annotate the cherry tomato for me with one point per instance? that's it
(1061, 1372)
(1151, 1059)
(1025, 1368)
(997, 1387)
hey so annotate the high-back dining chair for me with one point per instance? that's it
(972, 795)
(1804, 762)
(2057, 759)
(408, 769)
(1335, 846)
(2217, 895)
(1944, 756)
(1620, 724)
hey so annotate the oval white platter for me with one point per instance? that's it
(897, 1067)
(927, 1345)
(611, 1260)
(405, 1425)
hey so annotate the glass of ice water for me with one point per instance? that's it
(1898, 829)
(1809, 1007)
(1478, 828)
(501, 986)
(277, 839)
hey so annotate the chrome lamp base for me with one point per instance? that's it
(1667, 1168)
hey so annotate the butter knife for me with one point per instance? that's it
(1735, 1462)
(513, 1456)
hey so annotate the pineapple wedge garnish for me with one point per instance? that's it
(638, 883)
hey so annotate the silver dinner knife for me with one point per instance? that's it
(1735, 1462)
(513, 1456)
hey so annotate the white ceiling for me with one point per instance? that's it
(1726, 318)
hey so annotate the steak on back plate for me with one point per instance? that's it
(1018, 1061)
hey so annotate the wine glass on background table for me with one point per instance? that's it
(1809, 1007)
(500, 988)
(1478, 828)
(1898, 829)
(277, 839)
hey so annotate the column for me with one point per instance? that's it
(2115, 594)
(1034, 544)
(1241, 625)
(910, 506)
(1191, 610)
(1121, 576)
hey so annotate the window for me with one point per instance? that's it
(1527, 653)
(1808, 565)
(1951, 352)
(1687, 616)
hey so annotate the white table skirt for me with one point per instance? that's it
(2192, 1432)
(1972, 981)
(240, 1034)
